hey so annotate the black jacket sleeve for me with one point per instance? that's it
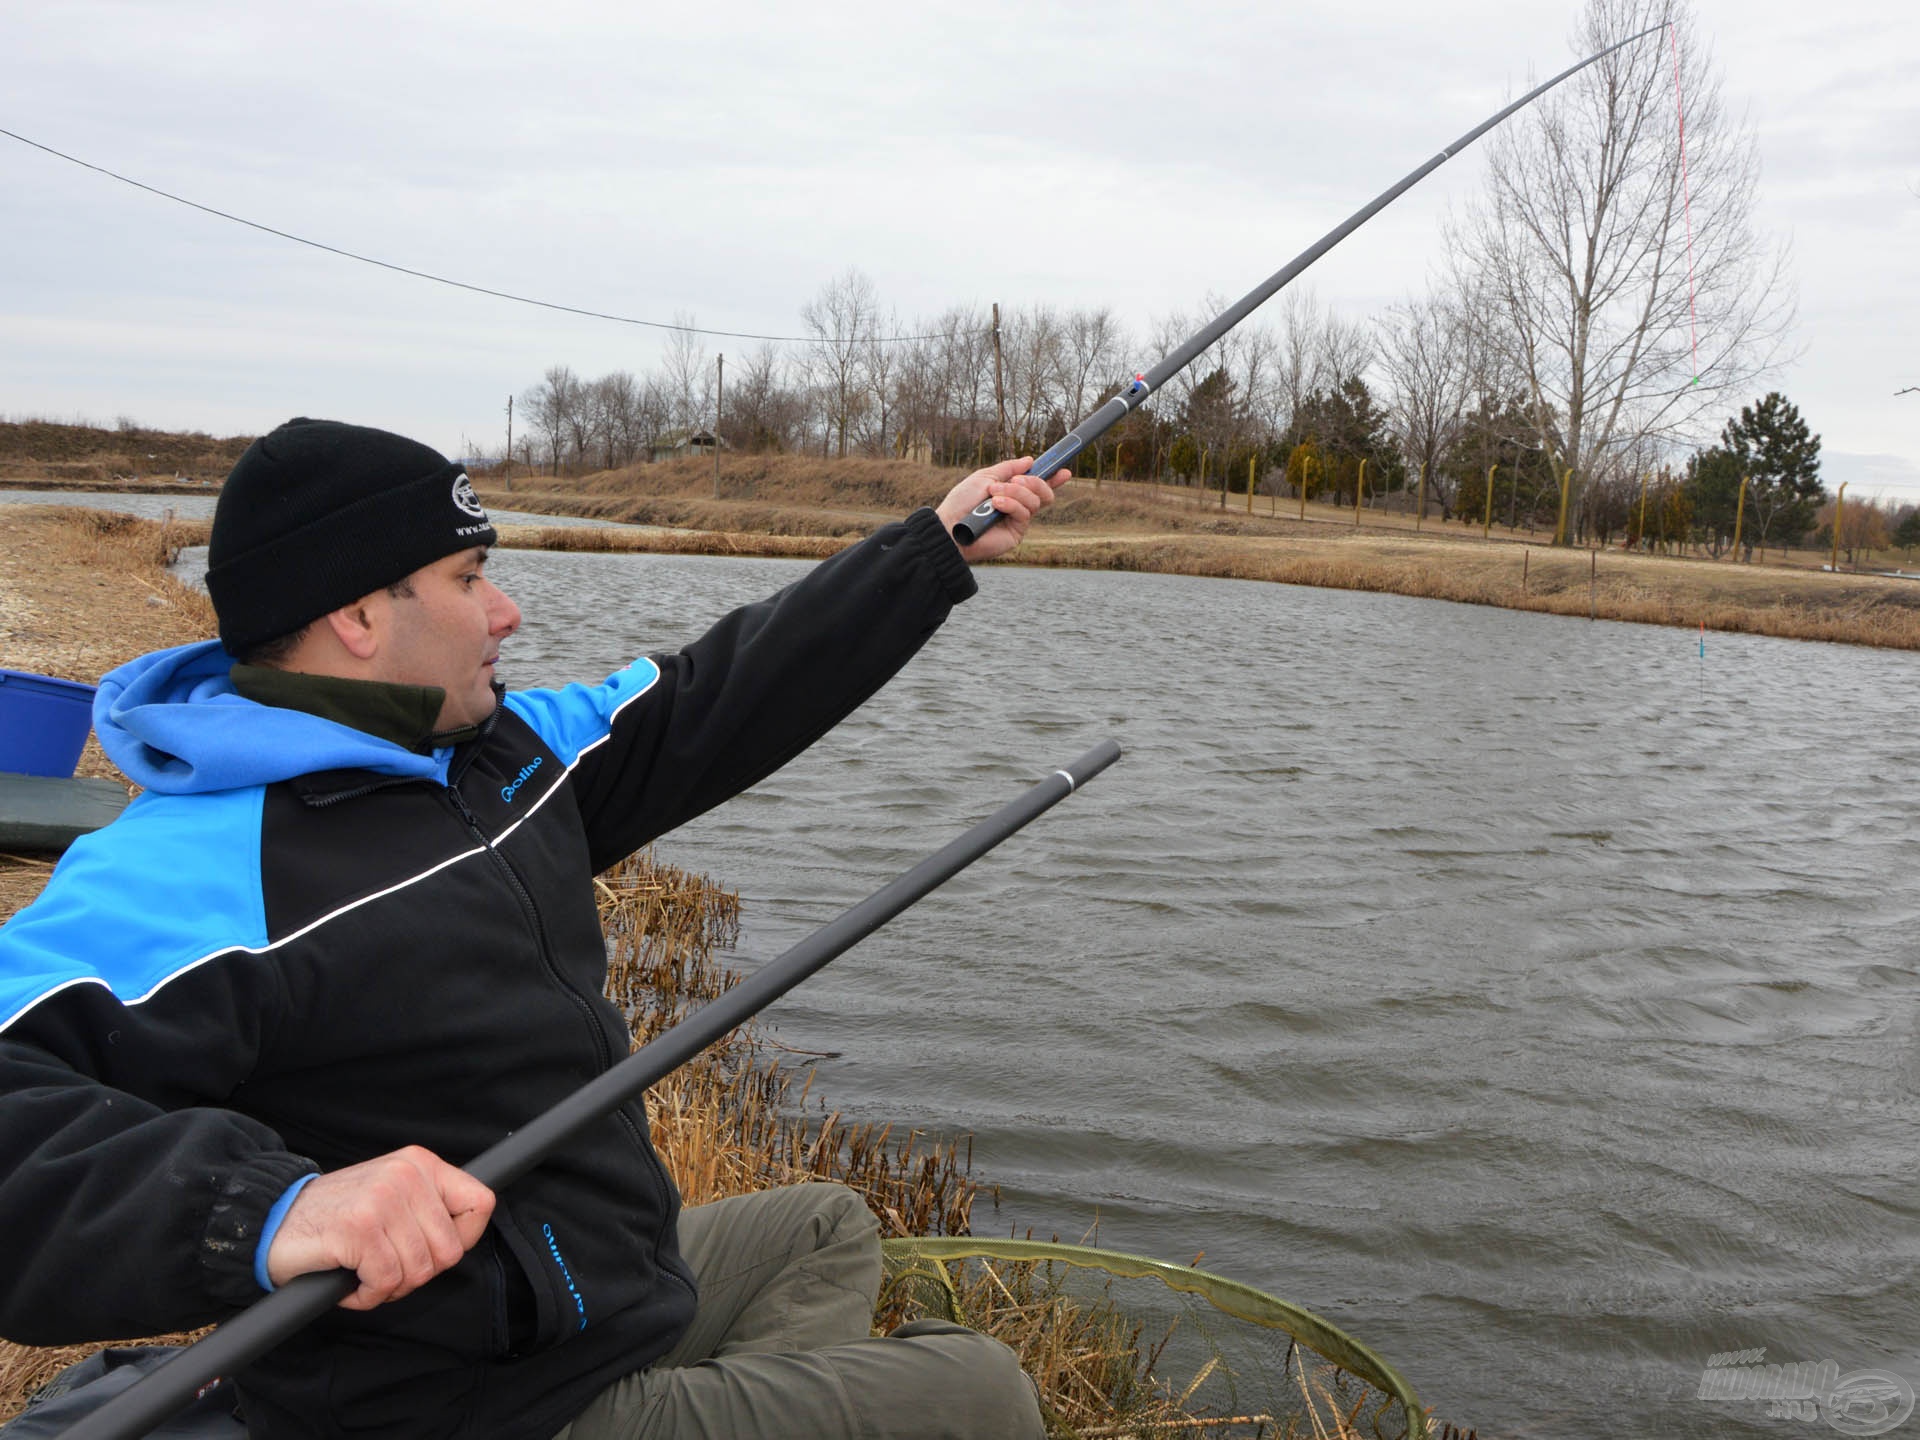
(130, 1201)
(766, 682)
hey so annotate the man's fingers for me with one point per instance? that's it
(396, 1221)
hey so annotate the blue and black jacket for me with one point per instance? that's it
(304, 946)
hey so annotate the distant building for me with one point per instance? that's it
(675, 443)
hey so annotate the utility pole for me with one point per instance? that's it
(719, 396)
(999, 385)
(1839, 507)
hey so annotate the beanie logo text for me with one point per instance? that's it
(464, 497)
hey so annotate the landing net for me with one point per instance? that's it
(1123, 1346)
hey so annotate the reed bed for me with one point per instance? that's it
(740, 1118)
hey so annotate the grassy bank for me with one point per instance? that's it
(808, 507)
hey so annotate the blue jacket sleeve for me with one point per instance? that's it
(131, 1200)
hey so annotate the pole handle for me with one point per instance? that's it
(983, 517)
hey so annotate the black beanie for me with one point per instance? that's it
(317, 514)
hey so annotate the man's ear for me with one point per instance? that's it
(359, 626)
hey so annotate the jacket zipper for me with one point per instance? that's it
(584, 1006)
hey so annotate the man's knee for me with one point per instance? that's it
(969, 1384)
(843, 1213)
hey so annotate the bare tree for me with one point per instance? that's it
(1582, 236)
(1425, 354)
(842, 319)
(764, 412)
(551, 407)
(614, 398)
(1033, 341)
(880, 372)
(686, 376)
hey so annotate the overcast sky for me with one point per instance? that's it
(725, 161)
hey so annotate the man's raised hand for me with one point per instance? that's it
(1017, 495)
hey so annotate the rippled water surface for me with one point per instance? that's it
(1533, 998)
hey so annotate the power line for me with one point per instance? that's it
(441, 279)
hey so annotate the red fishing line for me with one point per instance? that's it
(1686, 199)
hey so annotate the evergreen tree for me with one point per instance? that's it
(1713, 488)
(1771, 443)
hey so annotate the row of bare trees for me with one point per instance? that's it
(1601, 305)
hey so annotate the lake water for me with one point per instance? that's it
(1534, 998)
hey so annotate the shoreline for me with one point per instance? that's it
(1110, 529)
(1781, 601)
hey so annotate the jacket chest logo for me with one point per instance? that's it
(512, 787)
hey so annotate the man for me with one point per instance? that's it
(347, 939)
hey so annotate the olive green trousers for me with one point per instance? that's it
(781, 1344)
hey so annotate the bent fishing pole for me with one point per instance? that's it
(983, 517)
(300, 1301)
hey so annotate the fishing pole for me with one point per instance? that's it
(983, 516)
(302, 1300)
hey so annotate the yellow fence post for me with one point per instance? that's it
(1359, 489)
(1739, 516)
(1839, 505)
(1420, 509)
(1560, 528)
(1486, 525)
(1643, 506)
(1250, 460)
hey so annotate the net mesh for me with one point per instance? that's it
(1124, 1346)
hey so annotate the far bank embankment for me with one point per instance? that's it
(808, 506)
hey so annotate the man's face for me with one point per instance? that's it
(448, 633)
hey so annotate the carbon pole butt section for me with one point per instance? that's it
(301, 1301)
(983, 517)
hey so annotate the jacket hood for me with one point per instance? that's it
(173, 722)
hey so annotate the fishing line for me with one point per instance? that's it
(442, 279)
(1686, 202)
(983, 516)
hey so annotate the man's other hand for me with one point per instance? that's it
(396, 1221)
(1017, 495)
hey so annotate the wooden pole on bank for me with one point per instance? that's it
(1486, 525)
(1739, 516)
(1839, 506)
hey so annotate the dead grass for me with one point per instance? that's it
(88, 454)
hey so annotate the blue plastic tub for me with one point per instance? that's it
(43, 723)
